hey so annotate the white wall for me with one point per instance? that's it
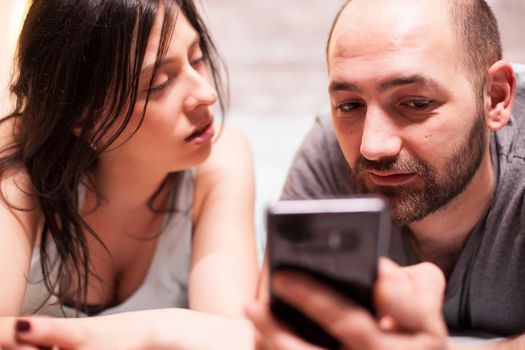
(11, 12)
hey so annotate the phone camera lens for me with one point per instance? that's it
(334, 239)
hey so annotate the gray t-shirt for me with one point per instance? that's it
(484, 291)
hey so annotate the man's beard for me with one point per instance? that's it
(409, 204)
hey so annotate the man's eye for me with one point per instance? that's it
(419, 104)
(348, 107)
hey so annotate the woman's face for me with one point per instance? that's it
(177, 128)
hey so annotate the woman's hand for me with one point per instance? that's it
(38, 332)
(153, 329)
(7, 333)
(408, 300)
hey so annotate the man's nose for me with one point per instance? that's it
(201, 93)
(381, 136)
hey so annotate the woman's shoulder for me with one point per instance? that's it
(12, 170)
(230, 152)
(20, 220)
(231, 143)
(16, 190)
(8, 128)
(228, 168)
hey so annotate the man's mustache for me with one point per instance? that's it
(392, 164)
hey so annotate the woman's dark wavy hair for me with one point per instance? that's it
(77, 68)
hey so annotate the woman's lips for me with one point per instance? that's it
(202, 135)
(392, 179)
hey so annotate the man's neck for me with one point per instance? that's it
(441, 236)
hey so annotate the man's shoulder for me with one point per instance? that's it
(319, 168)
(323, 129)
(519, 107)
(518, 111)
(509, 149)
(511, 138)
(520, 71)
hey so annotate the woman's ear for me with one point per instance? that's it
(501, 91)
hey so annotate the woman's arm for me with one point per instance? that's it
(17, 234)
(222, 278)
(224, 259)
(173, 329)
(17, 228)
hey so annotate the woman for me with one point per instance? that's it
(116, 197)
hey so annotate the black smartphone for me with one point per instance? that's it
(337, 241)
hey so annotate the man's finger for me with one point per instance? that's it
(413, 296)
(272, 335)
(400, 341)
(351, 324)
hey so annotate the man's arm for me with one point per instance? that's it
(408, 300)
(319, 169)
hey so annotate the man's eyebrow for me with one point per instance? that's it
(167, 60)
(415, 79)
(343, 86)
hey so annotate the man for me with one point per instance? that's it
(421, 113)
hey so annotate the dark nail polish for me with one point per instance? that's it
(22, 326)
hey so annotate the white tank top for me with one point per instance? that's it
(165, 284)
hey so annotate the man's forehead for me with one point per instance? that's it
(390, 24)
(416, 79)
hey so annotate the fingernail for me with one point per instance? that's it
(22, 326)
(387, 264)
(286, 282)
(281, 281)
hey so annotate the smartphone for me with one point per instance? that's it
(337, 241)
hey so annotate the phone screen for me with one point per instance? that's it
(337, 241)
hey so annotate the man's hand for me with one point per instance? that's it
(408, 301)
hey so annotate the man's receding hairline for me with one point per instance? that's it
(453, 5)
(472, 50)
(334, 23)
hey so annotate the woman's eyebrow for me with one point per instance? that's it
(167, 60)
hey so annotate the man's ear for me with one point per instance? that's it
(501, 92)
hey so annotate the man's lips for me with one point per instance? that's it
(391, 178)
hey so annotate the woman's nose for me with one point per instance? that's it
(201, 92)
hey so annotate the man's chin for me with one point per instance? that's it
(406, 205)
(395, 192)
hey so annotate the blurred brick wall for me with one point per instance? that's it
(11, 12)
(274, 48)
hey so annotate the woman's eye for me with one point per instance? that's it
(197, 61)
(348, 107)
(159, 87)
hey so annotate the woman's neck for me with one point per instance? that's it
(126, 183)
